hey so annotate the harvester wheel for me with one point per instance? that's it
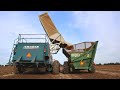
(66, 67)
(21, 69)
(16, 71)
(92, 69)
(56, 67)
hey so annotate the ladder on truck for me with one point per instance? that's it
(11, 54)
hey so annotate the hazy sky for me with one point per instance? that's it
(75, 27)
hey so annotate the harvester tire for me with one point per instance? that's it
(18, 70)
(21, 70)
(66, 67)
(56, 67)
(92, 69)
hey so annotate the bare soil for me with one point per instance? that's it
(102, 72)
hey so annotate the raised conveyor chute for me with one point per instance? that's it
(80, 56)
(52, 32)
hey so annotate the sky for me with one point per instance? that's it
(75, 27)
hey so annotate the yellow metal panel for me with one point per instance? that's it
(52, 31)
(48, 24)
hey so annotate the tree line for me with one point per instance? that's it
(117, 63)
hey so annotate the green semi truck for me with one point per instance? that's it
(33, 56)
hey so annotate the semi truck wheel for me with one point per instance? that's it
(56, 67)
(16, 70)
(21, 69)
(66, 67)
(92, 70)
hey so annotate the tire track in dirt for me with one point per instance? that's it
(108, 72)
(8, 75)
(69, 76)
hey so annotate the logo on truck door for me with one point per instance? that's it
(30, 47)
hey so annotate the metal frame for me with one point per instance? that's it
(56, 44)
(88, 50)
(20, 40)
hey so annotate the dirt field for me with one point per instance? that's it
(102, 72)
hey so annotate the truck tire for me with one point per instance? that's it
(18, 70)
(92, 70)
(15, 69)
(66, 67)
(21, 69)
(56, 67)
